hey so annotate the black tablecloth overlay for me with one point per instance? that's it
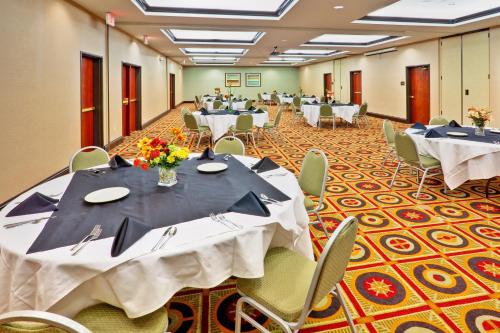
(440, 131)
(195, 196)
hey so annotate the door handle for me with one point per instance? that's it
(357, 92)
(133, 100)
(125, 101)
(92, 108)
(412, 97)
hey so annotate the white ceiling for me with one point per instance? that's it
(306, 20)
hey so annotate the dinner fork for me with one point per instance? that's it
(32, 221)
(94, 234)
(218, 220)
(222, 217)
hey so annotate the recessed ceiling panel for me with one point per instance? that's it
(184, 36)
(310, 53)
(433, 12)
(240, 9)
(213, 51)
(351, 40)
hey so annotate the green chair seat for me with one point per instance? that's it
(204, 128)
(429, 162)
(28, 327)
(308, 203)
(269, 125)
(284, 287)
(103, 318)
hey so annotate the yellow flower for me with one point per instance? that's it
(170, 159)
(157, 160)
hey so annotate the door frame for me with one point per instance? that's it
(138, 92)
(98, 97)
(352, 85)
(325, 88)
(408, 89)
(171, 101)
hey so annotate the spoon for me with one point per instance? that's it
(274, 201)
(171, 234)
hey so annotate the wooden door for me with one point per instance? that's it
(327, 85)
(132, 103)
(356, 88)
(171, 92)
(418, 94)
(91, 101)
(125, 100)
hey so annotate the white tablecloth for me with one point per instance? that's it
(205, 98)
(461, 160)
(289, 100)
(219, 124)
(235, 106)
(202, 254)
(266, 97)
(311, 112)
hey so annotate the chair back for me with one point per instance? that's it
(438, 121)
(406, 148)
(277, 119)
(323, 99)
(296, 101)
(332, 263)
(248, 104)
(229, 145)
(388, 132)
(312, 177)
(259, 97)
(325, 111)
(274, 98)
(190, 122)
(38, 321)
(185, 111)
(244, 122)
(84, 159)
(196, 99)
(217, 105)
(363, 110)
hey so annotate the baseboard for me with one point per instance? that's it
(114, 143)
(59, 173)
(187, 102)
(152, 120)
(383, 116)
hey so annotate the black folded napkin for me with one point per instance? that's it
(259, 111)
(265, 164)
(206, 95)
(209, 99)
(265, 93)
(34, 204)
(250, 204)
(227, 107)
(245, 99)
(208, 154)
(237, 113)
(432, 133)
(333, 102)
(420, 126)
(251, 108)
(313, 96)
(307, 103)
(204, 112)
(118, 162)
(315, 102)
(130, 231)
(453, 123)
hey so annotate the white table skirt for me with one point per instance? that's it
(201, 255)
(461, 160)
(235, 106)
(289, 100)
(205, 98)
(311, 112)
(266, 97)
(219, 124)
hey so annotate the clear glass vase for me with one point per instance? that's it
(479, 131)
(167, 176)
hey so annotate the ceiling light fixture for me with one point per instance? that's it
(345, 40)
(390, 49)
(338, 7)
(187, 36)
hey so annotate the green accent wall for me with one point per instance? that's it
(203, 80)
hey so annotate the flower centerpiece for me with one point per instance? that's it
(158, 153)
(479, 118)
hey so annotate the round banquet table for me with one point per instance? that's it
(202, 254)
(219, 124)
(311, 112)
(461, 160)
(235, 105)
(266, 97)
(289, 100)
(205, 98)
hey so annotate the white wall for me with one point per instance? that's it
(495, 75)
(40, 86)
(311, 77)
(175, 68)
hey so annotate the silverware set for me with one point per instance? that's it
(276, 175)
(168, 234)
(219, 218)
(268, 200)
(32, 221)
(97, 171)
(93, 235)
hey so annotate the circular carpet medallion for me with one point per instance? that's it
(360, 252)
(372, 220)
(351, 202)
(447, 238)
(486, 231)
(486, 207)
(413, 215)
(483, 321)
(400, 244)
(440, 278)
(451, 211)
(488, 268)
(380, 288)
(388, 199)
(417, 327)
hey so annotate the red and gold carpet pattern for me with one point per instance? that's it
(428, 265)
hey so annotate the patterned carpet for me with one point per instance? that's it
(428, 265)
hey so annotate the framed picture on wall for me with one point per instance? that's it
(233, 80)
(252, 80)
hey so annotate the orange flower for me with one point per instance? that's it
(144, 166)
(181, 137)
(176, 131)
(137, 162)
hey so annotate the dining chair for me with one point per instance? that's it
(312, 180)
(197, 102)
(297, 102)
(362, 114)
(248, 104)
(407, 154)
(271, 125)
(293, 285)
(217, 105)
(194, 129)
(262, 107)
(297, 112)
(259, 98)
(101, 318)
(275, 99)
(389, 139)
(326, 112)
(438, 121)
(88, 157)
(244, 126)
(229, 145)
(323, 99)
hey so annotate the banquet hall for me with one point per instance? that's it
(195, 166)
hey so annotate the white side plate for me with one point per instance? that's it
(456, 134)
(495, 130)
(211, 167)
(107, 195)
